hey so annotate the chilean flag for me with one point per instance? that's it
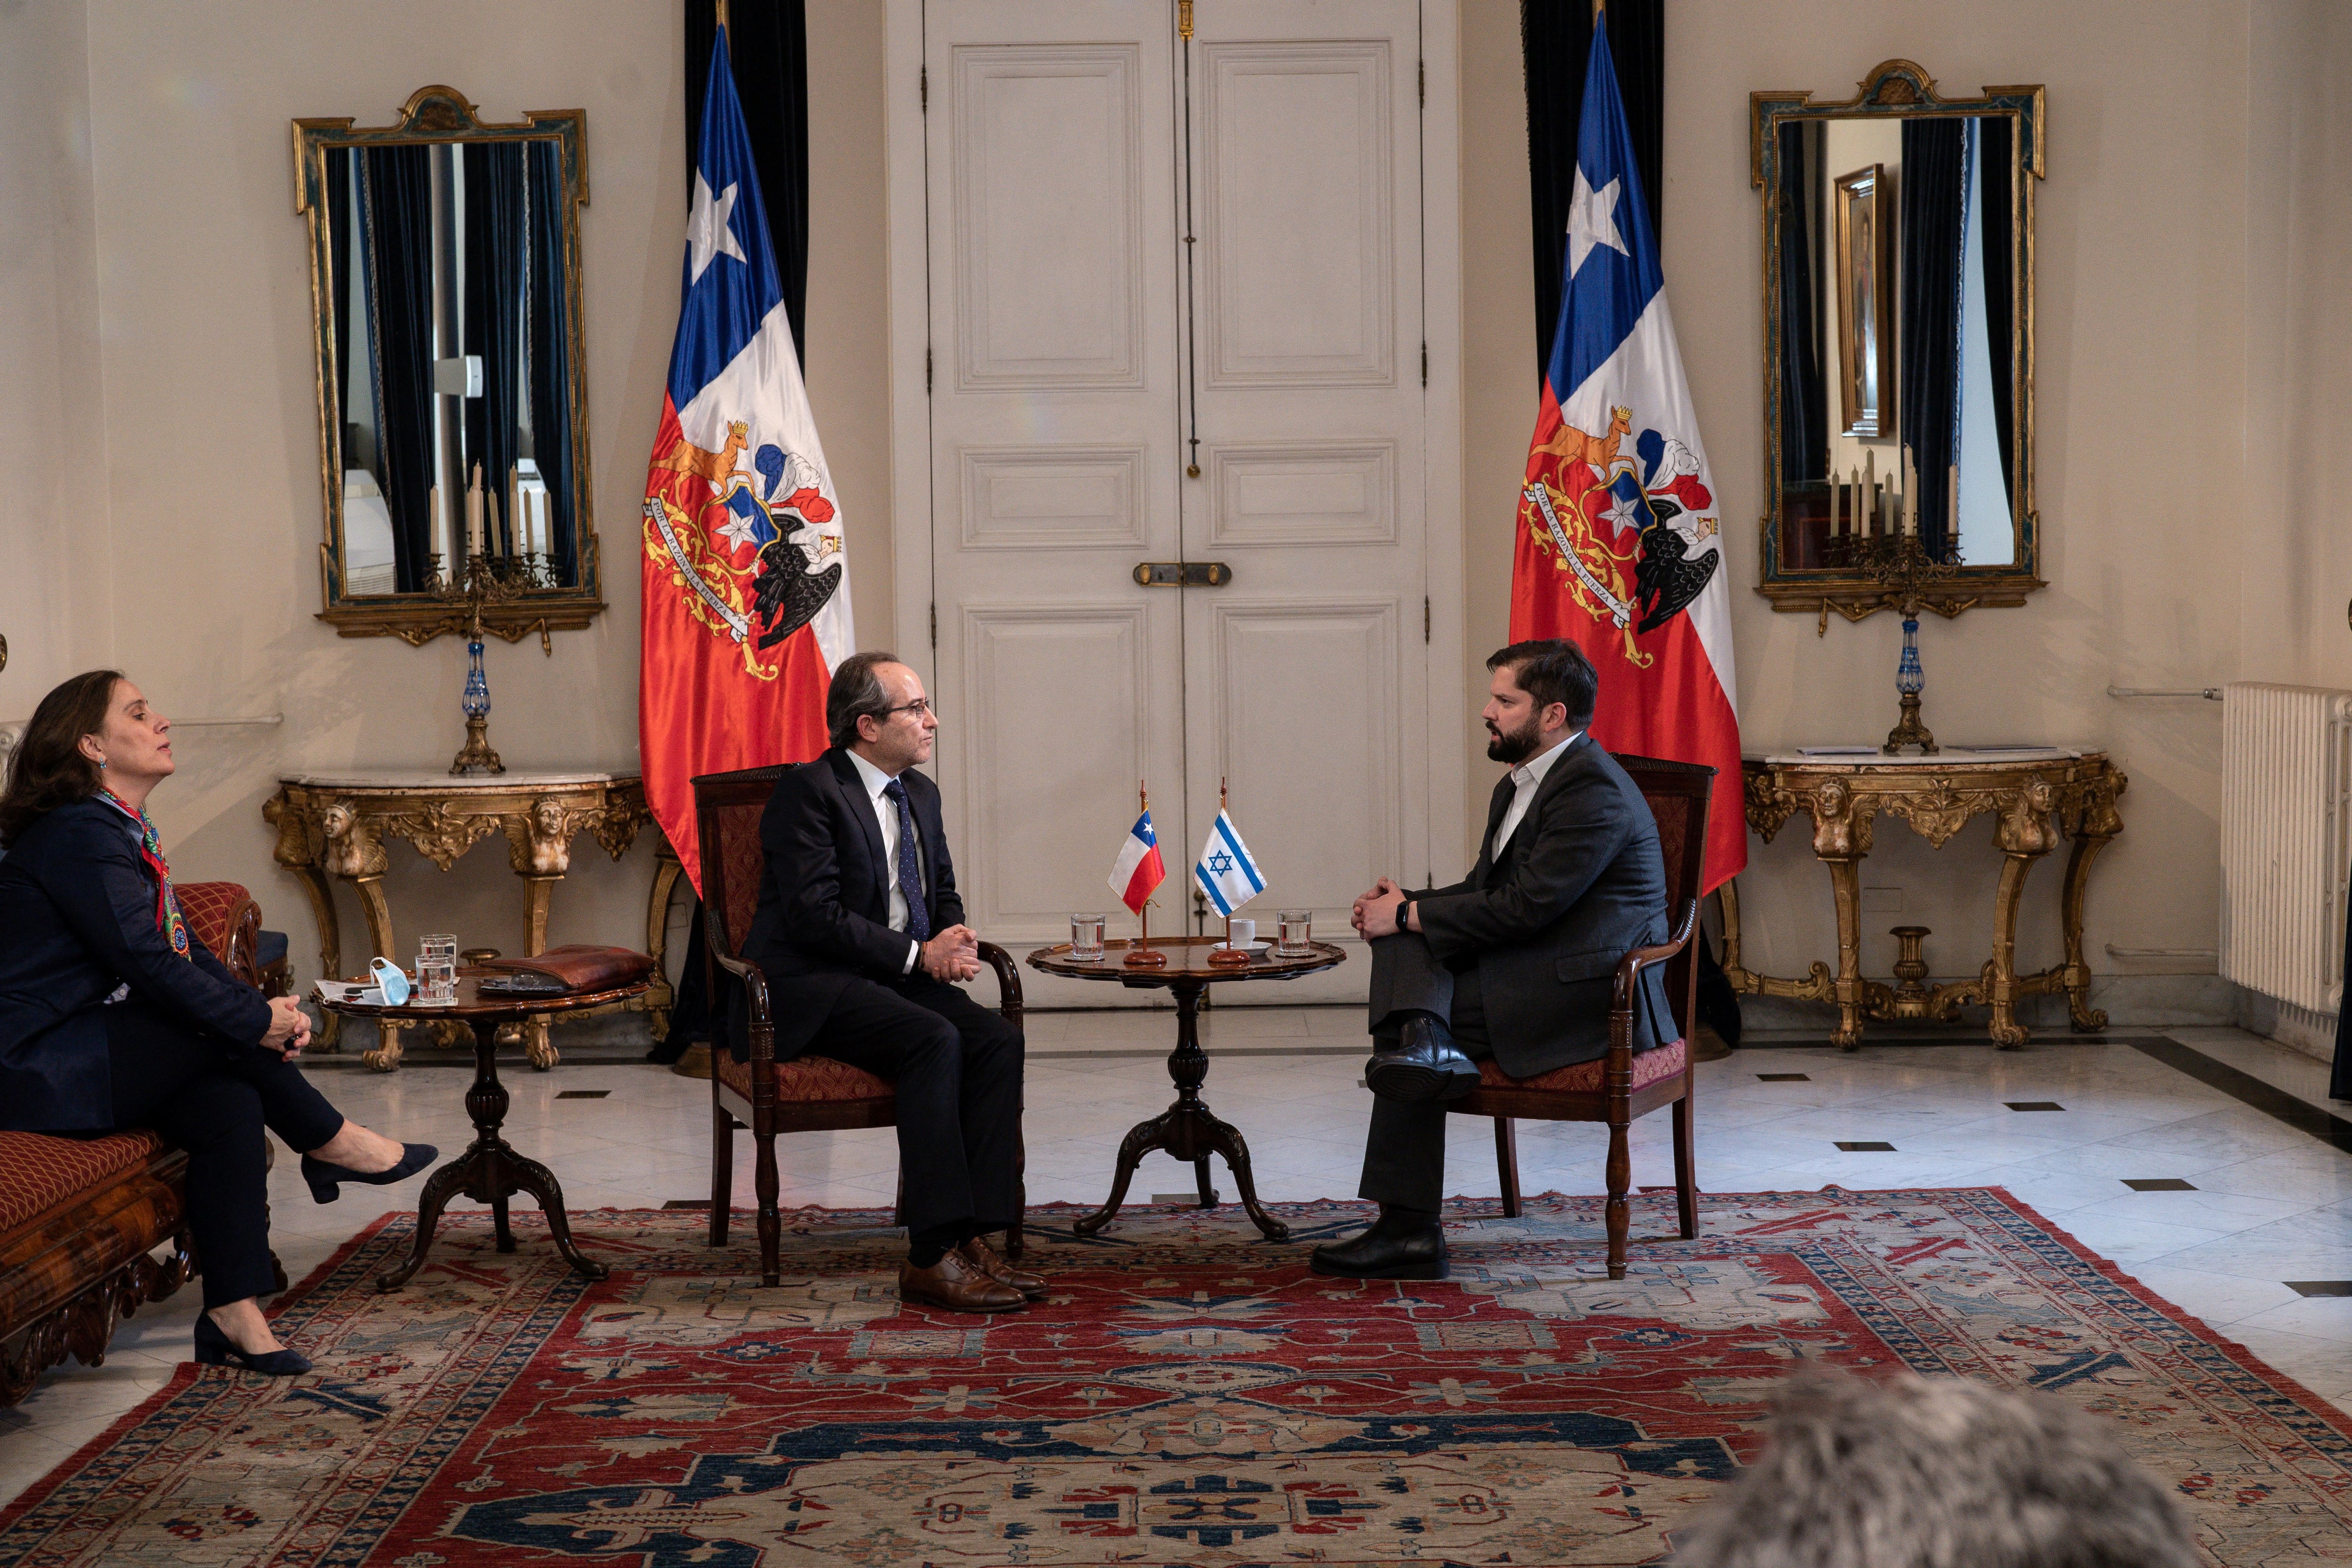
(746, 584)
(1619, 546)
(1139, 870)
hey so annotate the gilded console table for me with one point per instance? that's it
(336, 824)
(2032, 797)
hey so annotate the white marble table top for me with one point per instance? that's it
(442, 779)
(1949, 757)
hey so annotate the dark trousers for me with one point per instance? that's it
(213, 1098)
(1404, 1151)
(957, 1069)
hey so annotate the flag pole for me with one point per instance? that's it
(1224, 957)
(1143, 955)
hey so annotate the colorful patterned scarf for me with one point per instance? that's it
(151, 849)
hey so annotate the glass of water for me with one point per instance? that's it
(1296, 939)
(1085, 938)
(436, 968)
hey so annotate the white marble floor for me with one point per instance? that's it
(2269, 1204)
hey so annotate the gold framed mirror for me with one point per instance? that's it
(453, 383)
(1899, 345)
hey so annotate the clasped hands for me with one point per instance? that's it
(1375, 913)
(952, 954)
(289, 1029)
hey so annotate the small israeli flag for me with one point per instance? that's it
(1228, 877)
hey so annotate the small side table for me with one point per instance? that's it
(491, 1171)
(336, 824)
(1187, 1129)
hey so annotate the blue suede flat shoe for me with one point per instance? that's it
(215, 1348)
(323, 1177)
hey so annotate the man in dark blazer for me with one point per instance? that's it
(860, 934)
(1517, 961)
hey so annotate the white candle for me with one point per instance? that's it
(440, 525)
(474, 513)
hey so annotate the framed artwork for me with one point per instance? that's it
(1865, 335)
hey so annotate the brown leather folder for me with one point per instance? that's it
(579, 966)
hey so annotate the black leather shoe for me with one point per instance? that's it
(1423, 1064)
(215, 1348)
(1388, 1250)
(323, 1177)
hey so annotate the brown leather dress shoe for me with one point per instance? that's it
(954, 1285)
(982, 1256)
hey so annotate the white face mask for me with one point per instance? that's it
(390, 980)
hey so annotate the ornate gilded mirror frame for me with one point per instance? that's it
(518, 606)
(1899, 90)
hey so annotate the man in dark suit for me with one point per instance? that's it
(860, 933)
(1516, 961)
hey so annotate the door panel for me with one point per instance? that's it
(1054, 454)
(1304, 673)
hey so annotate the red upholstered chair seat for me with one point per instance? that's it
(1584, 1077)
(38, 1172)
(207, 907)
(804, 1079)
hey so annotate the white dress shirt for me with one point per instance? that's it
(885, 812)
(1526, 779)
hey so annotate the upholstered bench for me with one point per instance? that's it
(80, 1218)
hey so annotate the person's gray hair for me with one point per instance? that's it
(1917, 1472)
(857, 692)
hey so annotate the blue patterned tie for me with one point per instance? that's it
(910, 868)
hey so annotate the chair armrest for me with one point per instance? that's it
(1008, 981)
(761, 1021)
(1630, 967)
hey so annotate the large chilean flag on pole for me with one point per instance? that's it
(746, 592)
(1619, 546)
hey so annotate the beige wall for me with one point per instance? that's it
(158, 446)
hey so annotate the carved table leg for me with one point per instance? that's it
(537, 894)
(330, 945)
(1186, 1130)
(491, 1171)
(2022, 833)
(2099, 822)
(1844, 884)
(659, 997)
(386, 1058)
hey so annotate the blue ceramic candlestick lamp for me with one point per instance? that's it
(1910, 681)
(477, 756)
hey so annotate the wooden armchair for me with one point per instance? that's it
(810, 1093)
(226, 920)
(1621, 1086)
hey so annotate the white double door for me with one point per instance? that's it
(1176, 318)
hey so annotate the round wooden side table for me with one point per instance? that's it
(1186, 1129)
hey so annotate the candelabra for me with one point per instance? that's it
(483, 580)
(1902, 563)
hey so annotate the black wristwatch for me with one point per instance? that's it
(1404, 913)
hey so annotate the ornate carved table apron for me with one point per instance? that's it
(2032, 798)
(336, 824)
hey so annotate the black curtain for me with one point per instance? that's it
(1555, 37)
(551, 352)
(1804, 408)
(1996, 158)
(1934, 164)
(767, 42)
(494, 305)
(396, 188)
(2339, 1085)
(341, 243)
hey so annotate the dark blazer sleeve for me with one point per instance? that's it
(1578, 828)
(799, 831)
(107, 902)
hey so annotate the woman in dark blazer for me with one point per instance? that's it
(112, 1014)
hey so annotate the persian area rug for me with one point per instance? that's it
(1189, 1395)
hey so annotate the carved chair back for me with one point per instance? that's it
(1678, 793)
(727, 809)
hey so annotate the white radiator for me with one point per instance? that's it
(2286, 832)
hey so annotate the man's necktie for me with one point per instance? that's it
(909, 870)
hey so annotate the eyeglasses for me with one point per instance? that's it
(920, 707)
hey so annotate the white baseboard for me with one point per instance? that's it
(2130, 1001)
(2297, 1028)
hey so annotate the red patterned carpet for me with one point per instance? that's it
(1189, 1395)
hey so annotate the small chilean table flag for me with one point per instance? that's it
(746, 595)
(1618, 545)
(1138, 870)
